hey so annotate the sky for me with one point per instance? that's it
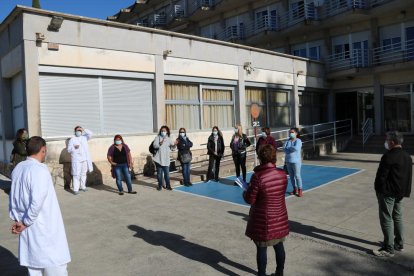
(88, 8)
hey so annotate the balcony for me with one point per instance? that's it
(335, 7)
(232, 34)
(394, 53)
(177, 13)
(356, 58)
(159, 20)
(202, 5)
(301, 13)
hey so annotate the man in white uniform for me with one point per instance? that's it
(81, 158)
(34, 207)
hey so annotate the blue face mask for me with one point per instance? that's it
(163, 133)
(292, 135)
(118, 142)
(78, 133)
(215, 133)
(264, 134)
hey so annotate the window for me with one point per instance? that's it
(261, 19)
(184, 108)
(256, 96)
(391, 44)
(312, 108)
(300, 52)
(297, 9)
(341, 51)
(218, 108)
(279, 108)
(315, 53)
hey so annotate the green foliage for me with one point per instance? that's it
(36, 4)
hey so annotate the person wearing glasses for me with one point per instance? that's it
(293, 160)
(184, 155)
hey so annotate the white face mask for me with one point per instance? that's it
(163, 133)
(78, 133)
(264, 134)
(182, 135)
(236, 130)
(386, 146)
(215, 133)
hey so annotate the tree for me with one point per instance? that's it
(36, 4)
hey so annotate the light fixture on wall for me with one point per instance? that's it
(55, 23)
(248, 67)
(300, 72)
(166, 53)
(39, 38)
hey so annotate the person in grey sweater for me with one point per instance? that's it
(163, 144)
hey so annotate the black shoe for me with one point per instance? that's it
(132, 192)
(382, 252)
(159, 188)
(190, 184)
(399, 248)
(164, 187)
(121, 193)
(169, 188)
(186, 184)
(217, 180)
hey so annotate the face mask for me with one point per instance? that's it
(264, 134)
(182, 135)
(215, 133)
(292, 135)
(163, 133)
(236, 130)
(118, 142)
(78, 133)
(386, 146)
(25, 136)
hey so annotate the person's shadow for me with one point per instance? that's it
(9, 265)
(178, 244)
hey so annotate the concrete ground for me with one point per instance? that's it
(333, 228)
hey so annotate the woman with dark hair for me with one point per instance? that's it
(268, 218)
(215, 150)
(119, 156)
(162, 144)
(293, 160)
(19, 152)
(265, 139)
(184, 155)
(239, 144)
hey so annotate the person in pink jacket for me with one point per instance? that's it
(268, 218)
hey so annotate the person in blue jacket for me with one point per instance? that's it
(293, 160)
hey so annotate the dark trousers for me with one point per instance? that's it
(240, 161)
(213, 167)
(390, 215)
(261, 258)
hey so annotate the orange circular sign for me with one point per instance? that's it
(255, 110)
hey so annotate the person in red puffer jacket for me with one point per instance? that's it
(268, 219)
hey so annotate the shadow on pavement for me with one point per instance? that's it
(178, 244)
(320, 234)
(5, 185)
(9, 265)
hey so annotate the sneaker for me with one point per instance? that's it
(121, 193)
(132, 192)
(169, 188)
(159, 188)
(190, 184)
(399, 248)
(75, 193)
(382, 252)
(84, 190)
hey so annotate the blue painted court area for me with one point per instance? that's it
(312, 177)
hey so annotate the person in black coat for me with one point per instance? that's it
(184, 155)
(239, 144)
(215, 150)
(392, 184)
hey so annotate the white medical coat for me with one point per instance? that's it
(33, 201)
(80, 154)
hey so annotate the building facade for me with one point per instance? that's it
(366, 46)
(59, 70)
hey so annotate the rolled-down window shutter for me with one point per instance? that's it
(68, 101)
(127, 106)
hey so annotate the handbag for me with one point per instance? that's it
(186, 157)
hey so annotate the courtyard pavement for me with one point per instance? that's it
(333, 229)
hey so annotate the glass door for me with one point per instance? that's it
(398, 108)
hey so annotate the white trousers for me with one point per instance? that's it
(49, 271)
(79, 180)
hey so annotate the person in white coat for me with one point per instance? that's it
(81, 158)
(34, 208)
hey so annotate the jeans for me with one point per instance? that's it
(240, 161)
(123, 170)
(261, 258)
(294, 174)
(163, 170)
(390, 216)
(185, 169)
(213, 167)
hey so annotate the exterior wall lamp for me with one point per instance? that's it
(248, 67)
(55, 24)
(166, 53)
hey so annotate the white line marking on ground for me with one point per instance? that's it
(216, 199)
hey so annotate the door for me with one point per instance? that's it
(360, 54)
(365, 107)
(346, 107)
(398, 108)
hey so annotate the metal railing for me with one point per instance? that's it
(302, 13)
(376, 3)
(203, 5)
(335, 7)
(396, 52)
(367, 131)
(356, 58)
(177, 12)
